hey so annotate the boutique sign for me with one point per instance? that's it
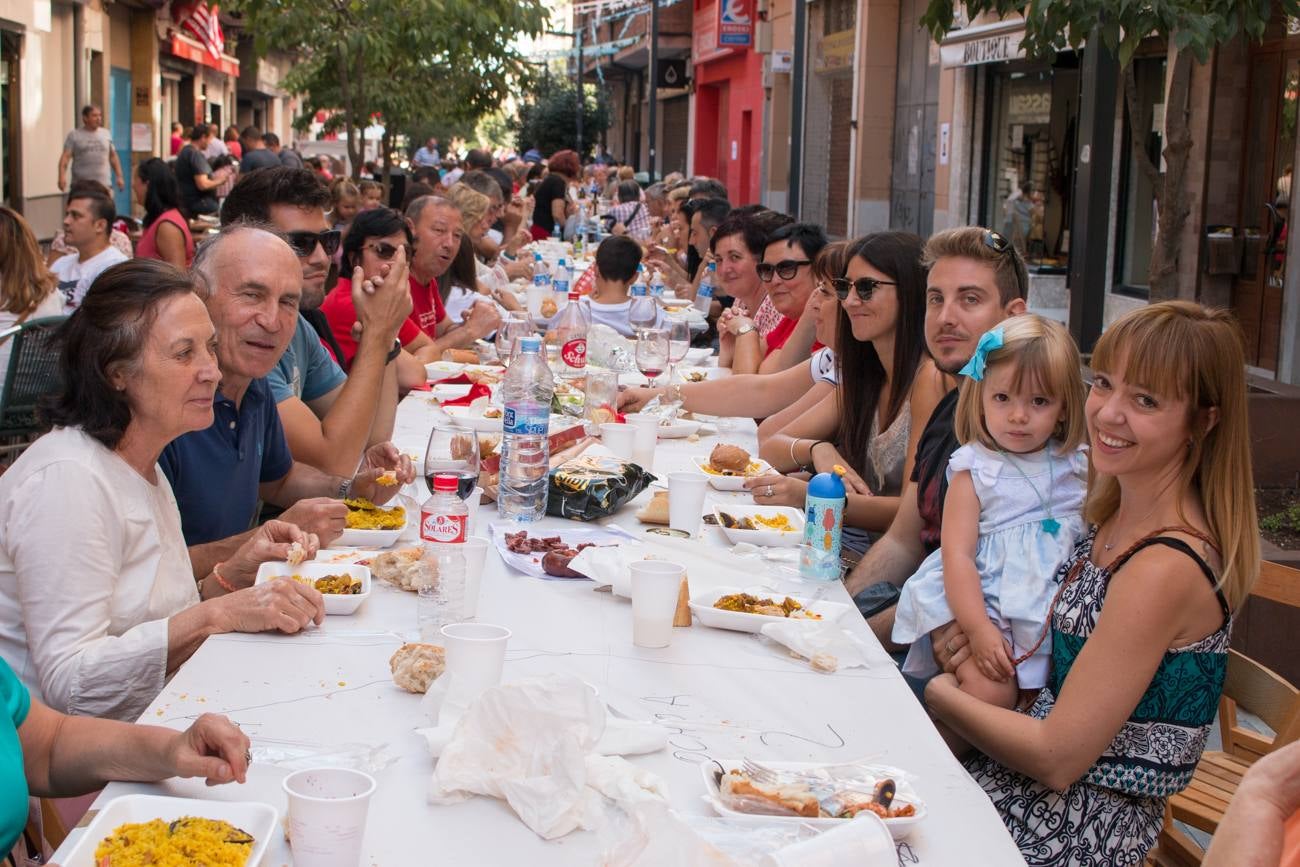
(987, 43)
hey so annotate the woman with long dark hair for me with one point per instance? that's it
(166, 233)
(888, 387)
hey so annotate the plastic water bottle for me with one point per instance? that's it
(571, 333)
(643, 312)
(557, 234)
(541, 272)
(444, 523)
(704, 296)
(580, 233)
(657, 285)
(525, 449)
(819, 558)
(560, 279)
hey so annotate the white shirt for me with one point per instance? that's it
(615, 316)
(92, 563)
(75, 276)
(822, 366)
(52, 305)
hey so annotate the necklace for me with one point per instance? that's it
(1138, 522)
(1050, 524)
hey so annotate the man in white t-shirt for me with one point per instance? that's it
(617, 259)
(87, 224)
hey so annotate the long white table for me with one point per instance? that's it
(721, 695)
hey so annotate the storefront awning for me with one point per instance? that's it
(983, 43)
(188, 49)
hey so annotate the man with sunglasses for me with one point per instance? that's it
(786, 269)
(330, 418)
(976, 279)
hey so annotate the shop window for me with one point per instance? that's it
(1135, 225)
(9, 126)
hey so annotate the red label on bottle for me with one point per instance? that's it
(574, 352)
(443, 528)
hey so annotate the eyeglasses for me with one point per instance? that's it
(386, 251)
(785, 269)
(304, 243)
(1000, 244)
(864, 286)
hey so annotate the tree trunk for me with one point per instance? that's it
(349, 103)
(387, 147)
(1174, 208)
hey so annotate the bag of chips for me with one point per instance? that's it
(591, 487)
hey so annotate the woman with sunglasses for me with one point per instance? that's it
(786, 271)
(777, 398)
(888, 387)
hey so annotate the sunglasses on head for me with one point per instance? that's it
(864, 286)
(1000, 244)
(785, 269)
(304, 243)
(386, 251)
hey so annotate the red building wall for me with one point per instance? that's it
(728, 111)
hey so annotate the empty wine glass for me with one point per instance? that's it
(679, 342)
(454, 451)
(642, 313)
(652, 352)
(509, 332)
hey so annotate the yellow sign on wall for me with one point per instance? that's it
(834, 52)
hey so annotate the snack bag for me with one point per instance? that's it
(591, 487)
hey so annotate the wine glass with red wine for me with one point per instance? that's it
(652, 352)
(453, 451)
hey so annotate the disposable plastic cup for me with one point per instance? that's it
(686, 501)
(476, 654)
(476, 548)
(647, 436)
(619, 439)
(862, 840)
(327, 815)
(472, 502)
(655, 585)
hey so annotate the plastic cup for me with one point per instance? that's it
(686, 501)
(655, 585)
(619, 439)
(645, 439)
(327, 815)
(476, 548)
(476, 654)
(863, 839)
(472, 502)
(601, 395)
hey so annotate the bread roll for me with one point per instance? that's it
(415, 666)
(727, 458)
(461, 356)
(655, 511)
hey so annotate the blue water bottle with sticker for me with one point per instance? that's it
(819, 558)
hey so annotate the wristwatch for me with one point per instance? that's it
(345, 488)
(395, 351)
(744, 329)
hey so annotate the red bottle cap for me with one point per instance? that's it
(444, 482)
(574, 296)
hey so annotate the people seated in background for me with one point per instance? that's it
(345, 202)
(737, 245)
(197, 180)
(631, 216)
(551, 206)
(471, 280)
(693, 222)
(253, 283)
(615, 267)
(118, 236)
(372, 194)
(887, 389)
(329, 417)
(94, 625)
(256, 154)
(975, 280)
(48, 754)
(166, 232)
(28, 290)
(87, 221)
(787, 270)
(498, 249)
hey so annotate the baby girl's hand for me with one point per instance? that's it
(992, 654)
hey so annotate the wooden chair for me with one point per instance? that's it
(1257, 690)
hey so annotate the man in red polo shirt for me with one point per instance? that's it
(436, 227)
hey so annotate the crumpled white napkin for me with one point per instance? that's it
(533, 743)
(830, 644)
(607, 566)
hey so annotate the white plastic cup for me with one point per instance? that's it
(327, 815)
(619, 439)
(655, 585)
(863, 840)
(686, 501)
(476, 655)
(476, 548)
(647, 436)
(472, 502)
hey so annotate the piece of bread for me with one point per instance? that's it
(655, 511)
(415, 666)
(728, 458)
(404, 568)
(461, 356)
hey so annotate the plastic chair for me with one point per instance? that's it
(33, 373)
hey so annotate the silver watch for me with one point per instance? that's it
(345, 488)
(744, 329)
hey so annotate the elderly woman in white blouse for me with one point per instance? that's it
(98, 602)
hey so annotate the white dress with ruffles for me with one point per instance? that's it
(1016, 556)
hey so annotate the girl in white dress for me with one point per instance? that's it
(1012, 513)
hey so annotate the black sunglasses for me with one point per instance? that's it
(304, 243)
(1000, 244)
(386, 251)
(864, 286)
(785, 269)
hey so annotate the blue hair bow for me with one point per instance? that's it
(990, 341)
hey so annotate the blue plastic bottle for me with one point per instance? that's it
(819, 558)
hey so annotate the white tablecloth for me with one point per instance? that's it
(721, 694)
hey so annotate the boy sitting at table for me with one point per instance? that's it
(617, 259)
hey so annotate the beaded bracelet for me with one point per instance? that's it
(222, 582)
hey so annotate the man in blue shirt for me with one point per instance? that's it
(428, 155)
(253, 286)
(329, 418)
